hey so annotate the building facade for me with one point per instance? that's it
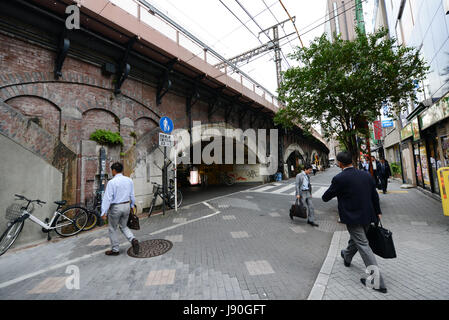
(422, 129)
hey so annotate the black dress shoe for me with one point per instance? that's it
(382, 290)
(347, 264)
(112, 253)
(313, 224)
(135, 245)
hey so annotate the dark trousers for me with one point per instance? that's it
(384, 182)
(358, 242)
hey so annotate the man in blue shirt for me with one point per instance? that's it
(117, 200)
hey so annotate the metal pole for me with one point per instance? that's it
(176, 181)
(164, 181)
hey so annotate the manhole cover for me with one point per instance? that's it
(151, 248)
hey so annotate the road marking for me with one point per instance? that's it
(90, 255)
(319, 193)
(288, 187)
(209, 206)
(263, 189)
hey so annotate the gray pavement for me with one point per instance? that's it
(240, 246)
(421, 237)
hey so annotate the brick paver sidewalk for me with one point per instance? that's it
(421, 237)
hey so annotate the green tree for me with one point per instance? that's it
(340, 85)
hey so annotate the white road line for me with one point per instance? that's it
(208, 205)
(319, 193)
(265, 188)
(288, 187)
(87, 256)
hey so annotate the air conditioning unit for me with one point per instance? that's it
(446, 6)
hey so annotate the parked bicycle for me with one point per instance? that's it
(94, 214)
(67, 222)
(169, 198)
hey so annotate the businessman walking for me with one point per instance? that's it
(358, 207)
(304, 193)
(117, 201)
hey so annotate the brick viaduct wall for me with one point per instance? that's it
(54, 118)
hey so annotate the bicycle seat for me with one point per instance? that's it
(61, 203)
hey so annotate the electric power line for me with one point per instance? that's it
(255, 22)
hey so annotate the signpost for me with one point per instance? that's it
(167, 140)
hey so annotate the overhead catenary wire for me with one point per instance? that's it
(304, 33)
(261, 29)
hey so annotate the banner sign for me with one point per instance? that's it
(377, 130)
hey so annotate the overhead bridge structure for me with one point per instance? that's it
(121, 71)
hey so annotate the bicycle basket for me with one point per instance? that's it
(15, 211)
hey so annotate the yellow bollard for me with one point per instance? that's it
(443, 180)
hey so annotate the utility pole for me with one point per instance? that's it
(277, 55)
(272, 45)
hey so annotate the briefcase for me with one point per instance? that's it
(298, 210)
(381, 241)
(133, 220)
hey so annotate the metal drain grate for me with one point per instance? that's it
(151, 248)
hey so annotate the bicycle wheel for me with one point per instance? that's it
(9, 236)
(91, 221)
(172, 199)
(71, 220)
(153, 202)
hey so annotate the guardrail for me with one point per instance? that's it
(153, 17)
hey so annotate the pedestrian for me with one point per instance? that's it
(383, 172)
(358, 207)
(375, 173)
(314, 169)
(304, 191)
(118, 199)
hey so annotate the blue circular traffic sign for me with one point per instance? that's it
(166, 124)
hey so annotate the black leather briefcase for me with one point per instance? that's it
(381, 241)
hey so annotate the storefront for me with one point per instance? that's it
(420, 157)
(407, 155)
(434, 145)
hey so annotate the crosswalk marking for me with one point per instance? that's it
(319, 193)
(265, 188)
(288, 187)
(290, 190)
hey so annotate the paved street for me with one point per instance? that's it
(242, 246)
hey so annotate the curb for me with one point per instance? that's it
(322, 279)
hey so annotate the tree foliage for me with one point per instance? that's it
(340, 84)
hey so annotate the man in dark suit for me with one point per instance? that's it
(383, 172)
(358, 206)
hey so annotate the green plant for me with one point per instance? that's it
(106, 137)
(133, 134)
(122, 154)
(395, 168)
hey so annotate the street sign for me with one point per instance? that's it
(166, 140)
(166, 125)
(387, 124)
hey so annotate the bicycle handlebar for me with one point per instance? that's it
(30, 201)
